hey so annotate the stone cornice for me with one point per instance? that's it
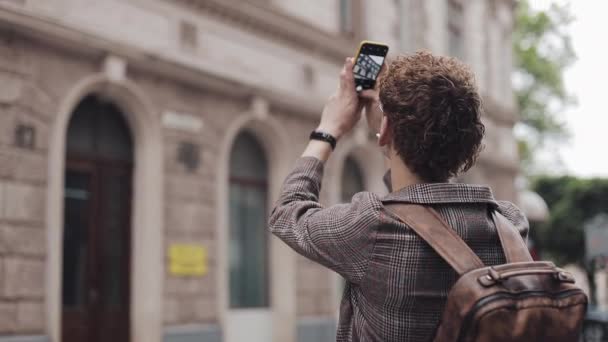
(269, 21)
(93, 46)
(57, 34)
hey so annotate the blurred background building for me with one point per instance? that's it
(144, 141)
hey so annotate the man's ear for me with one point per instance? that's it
(385, 133)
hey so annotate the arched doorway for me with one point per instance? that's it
(248, 243)
(97, 224)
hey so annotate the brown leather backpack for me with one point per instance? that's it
(521, 300)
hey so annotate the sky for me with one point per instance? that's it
(586, 153)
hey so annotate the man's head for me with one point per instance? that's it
(433, 115)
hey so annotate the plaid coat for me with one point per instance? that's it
(396, 285)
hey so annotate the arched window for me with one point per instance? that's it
(97, 224)
(248, 258)
(352, 179)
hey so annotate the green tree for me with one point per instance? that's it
(542, 51)
(572, 202)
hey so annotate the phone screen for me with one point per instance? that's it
(368, 65)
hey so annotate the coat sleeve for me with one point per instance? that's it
(340, 237)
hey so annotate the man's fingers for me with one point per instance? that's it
(369, 95)
(347, 80)
(360, 107)
(350, 62)
(343, 74)
(383, 69)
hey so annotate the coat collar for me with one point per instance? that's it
(431, 193)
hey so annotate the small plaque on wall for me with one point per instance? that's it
(188, 260)
(182, 122)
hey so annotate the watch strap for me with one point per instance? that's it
(322, 136)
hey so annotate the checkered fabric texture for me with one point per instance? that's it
(396, 285)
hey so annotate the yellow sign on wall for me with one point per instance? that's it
(187, 260)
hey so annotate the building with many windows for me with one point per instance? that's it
(144, 141)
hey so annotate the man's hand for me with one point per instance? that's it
(343, 109)
(371, 101)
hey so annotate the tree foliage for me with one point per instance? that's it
(542, 51)
(572, 202)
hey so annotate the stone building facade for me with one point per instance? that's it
(120, 122)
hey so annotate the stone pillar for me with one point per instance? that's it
(436, 34)
(601, 289)
(475, 39)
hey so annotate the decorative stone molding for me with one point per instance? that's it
(260, 108)
(265, 19)
(86, 44)
(498, 112)
(492, 162)
(316, 329)
(115, 68)
(187, 333)
(24, 338)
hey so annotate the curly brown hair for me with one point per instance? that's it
(434, 113)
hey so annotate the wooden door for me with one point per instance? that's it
(97, 226)
(77, 263)
(96, 252)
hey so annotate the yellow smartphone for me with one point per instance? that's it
(368, 62)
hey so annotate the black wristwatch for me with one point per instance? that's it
(322, 136)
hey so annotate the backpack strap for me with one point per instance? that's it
(427, 223)
(513, 245)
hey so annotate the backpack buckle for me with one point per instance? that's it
(565, 277)
(491, 278)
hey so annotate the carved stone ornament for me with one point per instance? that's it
(188, 155)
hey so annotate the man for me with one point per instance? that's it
(428, 117)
